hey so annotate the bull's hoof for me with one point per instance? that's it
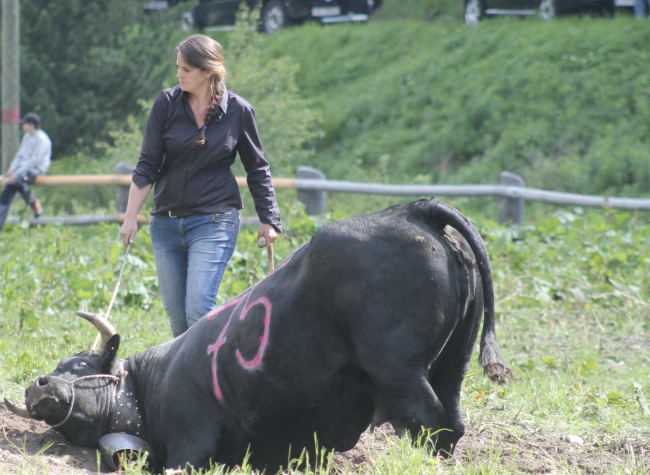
(446, 443)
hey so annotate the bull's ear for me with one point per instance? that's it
(108, 362)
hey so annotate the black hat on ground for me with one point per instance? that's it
(33, 119)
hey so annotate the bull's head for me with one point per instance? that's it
(76, 398)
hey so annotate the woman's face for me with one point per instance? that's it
(192, 80)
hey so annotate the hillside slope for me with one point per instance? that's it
(565, 104)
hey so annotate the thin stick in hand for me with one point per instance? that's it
(110, 305)
(261, 242)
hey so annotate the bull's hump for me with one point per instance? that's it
(368, 227)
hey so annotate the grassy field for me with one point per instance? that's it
(573, 300)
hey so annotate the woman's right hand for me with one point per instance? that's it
(128, 230)
(130, 226)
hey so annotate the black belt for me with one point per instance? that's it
(180, 213)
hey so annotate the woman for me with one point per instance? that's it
(194, 132)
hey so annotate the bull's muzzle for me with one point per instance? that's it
(43, 397)
(22, 409)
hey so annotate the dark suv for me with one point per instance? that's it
(276, 14)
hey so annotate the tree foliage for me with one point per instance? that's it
(84, 65)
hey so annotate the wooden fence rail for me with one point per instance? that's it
(125, 180)
(312, 187)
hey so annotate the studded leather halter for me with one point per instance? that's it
(126, 416)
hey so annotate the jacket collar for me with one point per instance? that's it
(224, 101)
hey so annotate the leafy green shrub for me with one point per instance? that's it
(573, 259)
(84, 65)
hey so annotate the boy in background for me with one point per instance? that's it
(32, 160)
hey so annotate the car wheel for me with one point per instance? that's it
(274, 16)
(474, 12)
(548, 9)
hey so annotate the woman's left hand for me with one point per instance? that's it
(268, 232)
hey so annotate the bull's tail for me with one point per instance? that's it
(490, 358)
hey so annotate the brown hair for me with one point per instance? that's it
(204, 53)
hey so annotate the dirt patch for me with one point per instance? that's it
(518, 447)
(21, 449)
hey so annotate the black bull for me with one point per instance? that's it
(373, 320)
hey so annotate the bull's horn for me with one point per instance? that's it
(106, 330)
(18, 409)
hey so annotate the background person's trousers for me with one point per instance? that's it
(20, 185)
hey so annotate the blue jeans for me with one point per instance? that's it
(191, 257)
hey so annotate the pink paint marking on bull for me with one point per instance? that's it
(218, 310)
(214, 348)
(256, 362)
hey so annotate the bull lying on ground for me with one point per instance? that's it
(376, 316)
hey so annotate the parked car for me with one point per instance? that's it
(477, 10)
(276, 14)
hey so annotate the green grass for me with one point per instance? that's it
(444, 11)
(573, 303)
(565, 104)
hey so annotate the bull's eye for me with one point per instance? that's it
(82, 365)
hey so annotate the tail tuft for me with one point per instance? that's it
(499, 373)
(491, 360)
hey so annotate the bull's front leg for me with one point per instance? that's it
(193, 430)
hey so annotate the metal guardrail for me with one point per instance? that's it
(80, 220)
(499, 191)
(312, 187)
(306, 184)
